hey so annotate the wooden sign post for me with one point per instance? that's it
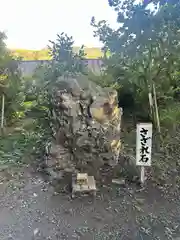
(143, 147)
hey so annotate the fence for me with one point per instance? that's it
(28, 67)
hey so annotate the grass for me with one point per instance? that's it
(17, 144)
(26, 54)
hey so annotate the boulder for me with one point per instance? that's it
(86, 123)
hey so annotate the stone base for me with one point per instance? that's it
(90, 187)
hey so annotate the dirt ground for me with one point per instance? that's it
(31, 209)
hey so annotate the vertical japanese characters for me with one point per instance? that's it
(143, 144)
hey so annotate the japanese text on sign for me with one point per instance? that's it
(143, 144)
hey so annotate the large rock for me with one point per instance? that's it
(86, 124)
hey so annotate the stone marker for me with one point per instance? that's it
(83, 183)
(85, 123)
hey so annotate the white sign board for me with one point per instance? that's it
(143, 144)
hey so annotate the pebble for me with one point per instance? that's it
(55, 193)
(68, 211)
(36, 232)
(116, 210)
(98, 218)
(49, 238)
(75, 236)
(118, 181)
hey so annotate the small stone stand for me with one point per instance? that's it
(83, 183)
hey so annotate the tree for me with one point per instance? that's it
(144, 49)
(64, 64)
(10, 83)
(144, 56)
(64, 60)
(139, 26)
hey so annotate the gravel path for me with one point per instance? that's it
(30, 209)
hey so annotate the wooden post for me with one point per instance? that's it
(156, 109)
(150, 103)
(142, 178)
(2, 113)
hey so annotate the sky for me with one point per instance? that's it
(30, 24)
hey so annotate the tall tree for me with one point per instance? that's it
(140, 24)
(65, 63)
(144, 49)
